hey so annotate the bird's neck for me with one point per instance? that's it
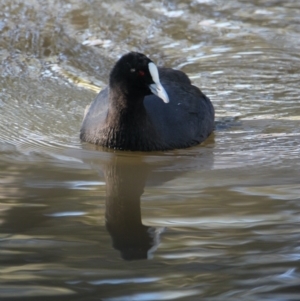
(128, 125)
(126, 108)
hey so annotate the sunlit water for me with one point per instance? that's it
(215, 222)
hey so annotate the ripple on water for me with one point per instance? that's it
(149, 296)
(32, 291)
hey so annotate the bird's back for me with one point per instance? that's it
(188, 118)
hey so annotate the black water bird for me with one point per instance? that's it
(145, 108)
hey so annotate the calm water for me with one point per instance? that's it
(215, 222)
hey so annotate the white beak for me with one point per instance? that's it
(157, 88)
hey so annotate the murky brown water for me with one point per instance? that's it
(216, 222)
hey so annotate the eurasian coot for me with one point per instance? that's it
(145, 108)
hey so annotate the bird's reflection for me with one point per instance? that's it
(125, 182)
(126, 176)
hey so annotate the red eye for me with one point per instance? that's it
(141, 73)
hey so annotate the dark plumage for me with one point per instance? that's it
(127, 115)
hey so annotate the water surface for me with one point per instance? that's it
(219, 221)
